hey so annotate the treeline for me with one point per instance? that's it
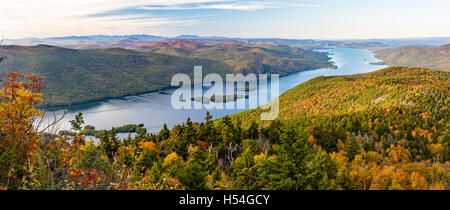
(89, 130)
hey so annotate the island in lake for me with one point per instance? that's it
(219, 98)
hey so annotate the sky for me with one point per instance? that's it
(297, 19)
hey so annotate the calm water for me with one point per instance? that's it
(154, 109)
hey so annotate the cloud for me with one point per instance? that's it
(231, 5)
(26, 9)
(228, 5)
(24, 18)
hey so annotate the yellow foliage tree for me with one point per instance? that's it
(19, 97)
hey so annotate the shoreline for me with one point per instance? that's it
(104, 99)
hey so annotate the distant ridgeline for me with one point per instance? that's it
(433, 58)
(77, 76)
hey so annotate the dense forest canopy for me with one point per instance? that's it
(377, 131)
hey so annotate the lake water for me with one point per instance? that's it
(154, 109)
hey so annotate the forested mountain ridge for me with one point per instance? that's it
(386, 123)
(242, 58)
(389, 104)
(76, 76)
(338, 95)
(433, 58)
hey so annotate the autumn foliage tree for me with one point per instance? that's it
(19, 97)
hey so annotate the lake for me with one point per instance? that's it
(154, 109)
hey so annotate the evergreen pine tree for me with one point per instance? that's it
(194, 177)
(352, 147)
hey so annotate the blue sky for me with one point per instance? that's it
(317, 19)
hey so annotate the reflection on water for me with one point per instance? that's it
(154, 109)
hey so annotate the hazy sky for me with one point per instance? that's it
(318, 19)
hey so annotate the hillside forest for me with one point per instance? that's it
(76, 76)
(385, 130)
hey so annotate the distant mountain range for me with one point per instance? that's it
(434, 58)
(109, 40)
(96, 41)
(75, 76)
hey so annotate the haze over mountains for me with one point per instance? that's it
(104, 41)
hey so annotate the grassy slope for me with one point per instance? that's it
(433, 58)
(77, 76)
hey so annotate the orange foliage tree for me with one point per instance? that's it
(19, 97)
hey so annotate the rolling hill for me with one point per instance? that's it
(75, 76)
(434, 58)
(396, 105)
(336, 96)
